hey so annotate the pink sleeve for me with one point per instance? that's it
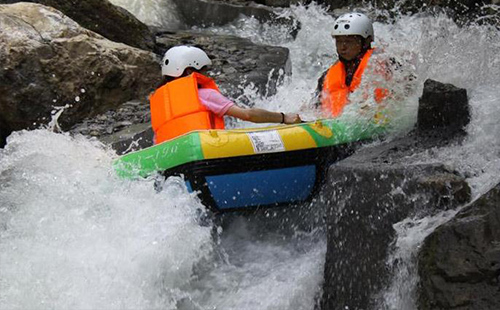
(214, 101)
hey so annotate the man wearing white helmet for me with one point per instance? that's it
(353, 34)
(189, 100)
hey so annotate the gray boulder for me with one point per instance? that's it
(132, 138)
(367, 193)
(462, 11)
(216, 12)
(443, 107)
(108, 20)
(49, 60)
(364, 196)
(280, 3)
(459, 263)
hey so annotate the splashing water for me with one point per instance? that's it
(425, 47)
(74, 236)
(80, 238)
(53, 125)
(411, 233)
(311, 53)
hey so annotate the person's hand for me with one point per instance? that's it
(292, 118)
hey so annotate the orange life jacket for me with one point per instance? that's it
(176, 108)
(335, 92)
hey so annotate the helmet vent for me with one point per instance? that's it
(336, 27)
(347, 26)
(166, 62)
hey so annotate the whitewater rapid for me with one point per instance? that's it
(75, 236)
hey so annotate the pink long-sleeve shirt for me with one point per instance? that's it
(214, 101)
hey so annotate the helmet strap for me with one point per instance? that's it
(367, 44)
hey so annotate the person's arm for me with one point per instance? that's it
(220, 105)
(255, 115)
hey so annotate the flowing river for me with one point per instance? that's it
(75, 236)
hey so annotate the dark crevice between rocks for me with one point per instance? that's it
(4, 133)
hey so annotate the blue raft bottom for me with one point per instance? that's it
(261, 188)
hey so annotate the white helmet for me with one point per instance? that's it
(178, 58)
(353, 24)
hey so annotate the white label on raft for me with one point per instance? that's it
(266, 141)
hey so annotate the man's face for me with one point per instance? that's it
(348, 47)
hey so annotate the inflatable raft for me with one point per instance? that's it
(244, 169)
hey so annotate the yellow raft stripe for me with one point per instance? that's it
(228, 143)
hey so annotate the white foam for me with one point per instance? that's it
(74, 236)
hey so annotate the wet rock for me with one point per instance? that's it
(133, 138)
(280, 3)
(462, 11)
(459, 263)
(365, 195)
(380, 185)
(49, 60)
(337, 4)
(216, 13)
(443, 107)
(129, 114)
(272, 3)
(108, 20)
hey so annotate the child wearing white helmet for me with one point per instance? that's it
(188, 100)
(353, 35)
